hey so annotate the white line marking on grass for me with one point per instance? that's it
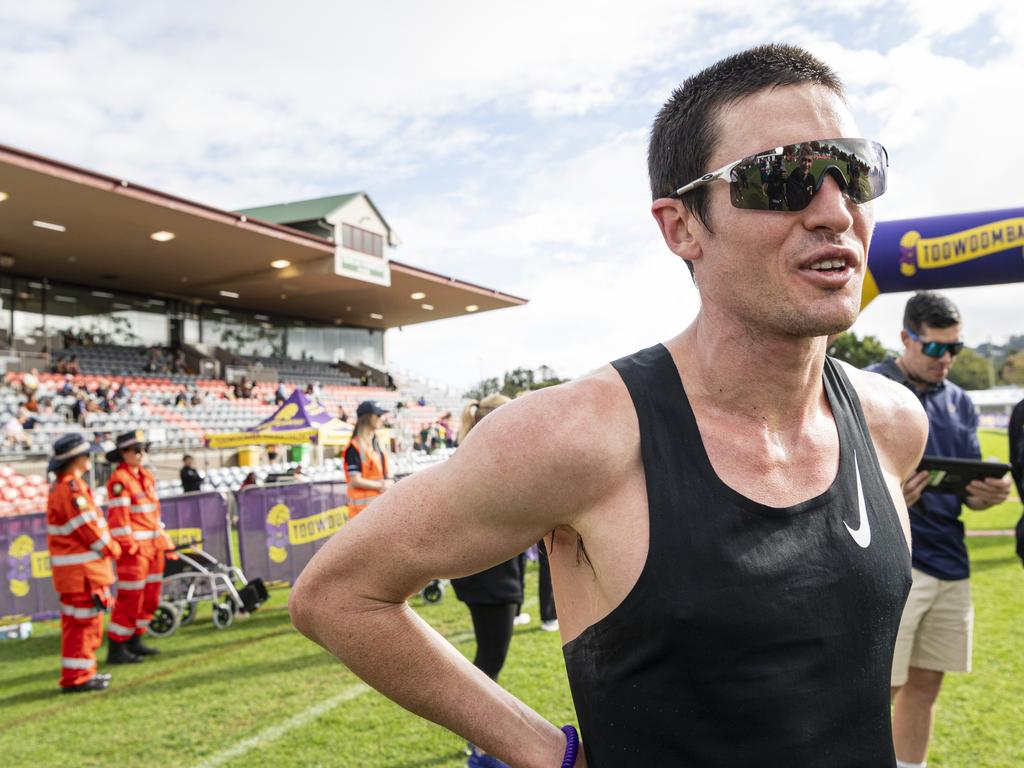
(275, 732)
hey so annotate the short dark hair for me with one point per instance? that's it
(186, 457)
(684, 134)
(931, 309)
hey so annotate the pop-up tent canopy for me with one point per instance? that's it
(298, 420)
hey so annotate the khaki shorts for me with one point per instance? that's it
(936, 628)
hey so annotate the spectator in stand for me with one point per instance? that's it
(367, 470)
(14, 433)
(445, 429)
(153, 359)
(27, 418)
(422, 401)
(73, 367)
(391, 383)
(68, 387)
(180, 366)
(250, 479)
(191, 480)
(181, 399)
(30, 382)
(342, 415)
(279, 394)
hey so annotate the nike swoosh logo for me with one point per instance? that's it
(862, 533)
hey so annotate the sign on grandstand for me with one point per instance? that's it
(362, 266)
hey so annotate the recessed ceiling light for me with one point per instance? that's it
(102, 294)
(472, 308)
(3, 196)
(228, 294)
(261, 317)
(162, 236)
(280, 263)
(376, 316)
(49, 225)
(72, 259)
(66, 299)
(428, 307)
(418, 295)
(219, 311)
(284, 295)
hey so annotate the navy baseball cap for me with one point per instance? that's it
(370, 406)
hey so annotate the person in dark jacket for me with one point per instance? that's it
(1017, 463)
(191, 480)
(493, 596)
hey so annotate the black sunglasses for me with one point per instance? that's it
(766, 181)
(936, 348)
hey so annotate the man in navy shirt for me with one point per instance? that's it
(935, 632)
(1017, 462)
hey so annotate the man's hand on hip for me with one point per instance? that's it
(982, 494)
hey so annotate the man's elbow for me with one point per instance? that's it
(302, 604)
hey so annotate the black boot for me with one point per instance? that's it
(95, 684)
(136, 646)
(119, 653)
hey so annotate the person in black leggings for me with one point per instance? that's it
(493, 596)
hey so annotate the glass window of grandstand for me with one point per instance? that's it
(331, 343)
(6, 310)
(84, 317)
(28, 323)
(248, 335)
(362, 240)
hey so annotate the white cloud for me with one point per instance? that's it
(506, 144)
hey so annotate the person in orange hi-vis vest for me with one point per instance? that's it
(81, 550)
(367, 473)
(133, 512)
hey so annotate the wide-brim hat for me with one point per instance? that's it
(370, 406)
(69, 447)
(125, 441)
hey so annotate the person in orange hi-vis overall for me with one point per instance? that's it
(133, 512)
(367, 473)
(81, 550)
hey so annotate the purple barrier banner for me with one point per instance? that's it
(26, 589)
(198, 517)
(280, 527)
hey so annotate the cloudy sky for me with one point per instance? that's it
(505, 143)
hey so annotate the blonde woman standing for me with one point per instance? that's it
(493, 596)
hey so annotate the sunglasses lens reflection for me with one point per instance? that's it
(788, 178)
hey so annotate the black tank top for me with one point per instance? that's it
(755, 635)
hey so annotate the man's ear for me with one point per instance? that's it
(678, 227)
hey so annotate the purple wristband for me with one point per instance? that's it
(572, 746)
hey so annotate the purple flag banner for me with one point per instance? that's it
(198, 517)
(26, 588)
(281, 527)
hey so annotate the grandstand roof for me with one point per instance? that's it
(105, 242)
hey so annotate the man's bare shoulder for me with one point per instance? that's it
(582, 427)
(898, 423)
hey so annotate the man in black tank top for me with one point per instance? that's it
(723, 512)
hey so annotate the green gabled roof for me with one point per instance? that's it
(301, 210)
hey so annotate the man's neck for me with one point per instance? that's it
(769, 377)
(920, 385)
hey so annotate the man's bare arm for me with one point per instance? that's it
(899, 430)
(527, 468)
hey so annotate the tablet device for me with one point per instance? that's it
(953, 475)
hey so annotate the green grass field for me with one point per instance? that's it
(258, 693)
